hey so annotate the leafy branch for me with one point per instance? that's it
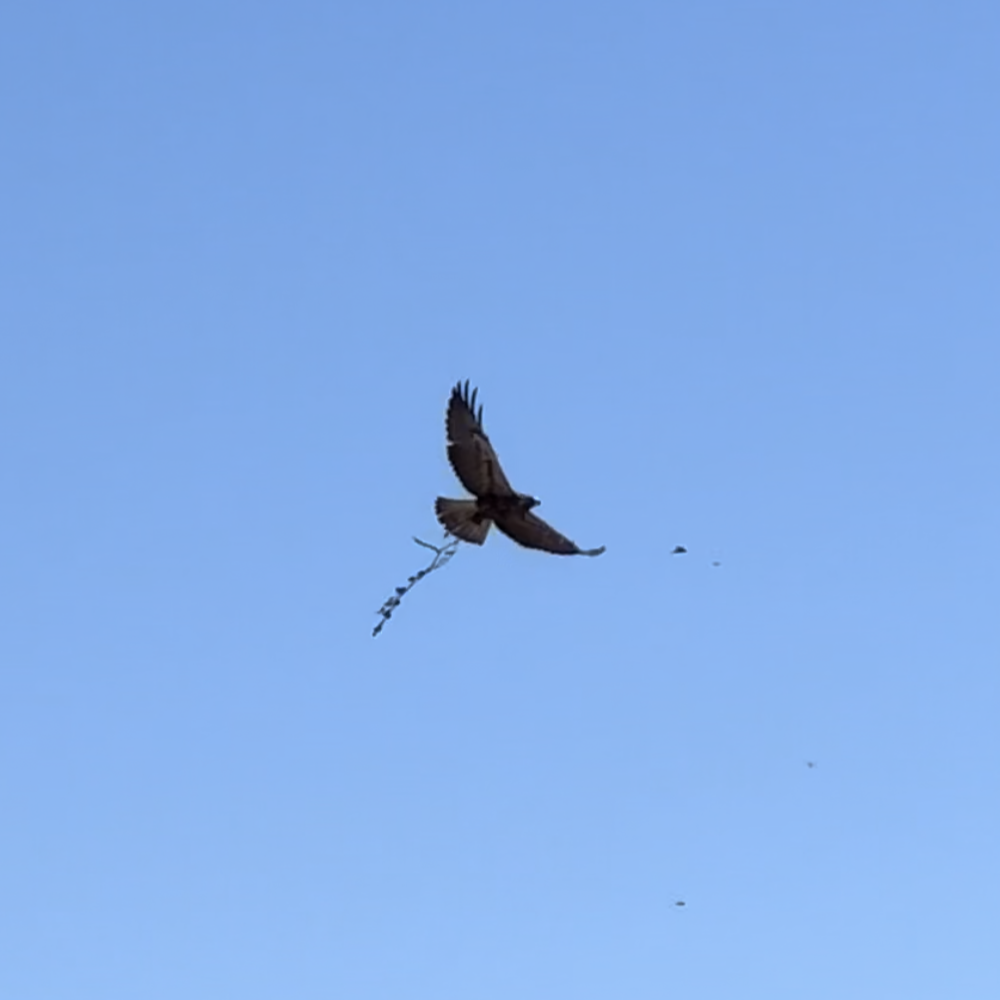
(442, 554)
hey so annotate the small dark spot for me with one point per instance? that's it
(716, 564)
(810, 763)
(679, 551)
(680, 902)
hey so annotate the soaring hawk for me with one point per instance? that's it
(476, 465)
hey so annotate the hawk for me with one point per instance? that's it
(496, 501)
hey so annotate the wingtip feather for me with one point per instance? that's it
(465, 394)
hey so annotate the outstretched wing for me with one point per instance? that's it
(469, 449)
(532, 532)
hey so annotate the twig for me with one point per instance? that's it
(442, 554)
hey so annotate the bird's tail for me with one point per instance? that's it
(462, 519)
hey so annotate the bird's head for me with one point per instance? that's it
(529, 502)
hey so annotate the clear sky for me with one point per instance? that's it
(726, 275)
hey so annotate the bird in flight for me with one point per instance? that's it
(495, 500)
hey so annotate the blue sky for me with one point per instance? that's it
(726, 277)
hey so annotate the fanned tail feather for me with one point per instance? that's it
(461, 518)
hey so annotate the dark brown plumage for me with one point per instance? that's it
(496, 501)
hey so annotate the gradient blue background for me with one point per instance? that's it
(726, 275)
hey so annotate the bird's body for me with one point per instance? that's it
(495, 500)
